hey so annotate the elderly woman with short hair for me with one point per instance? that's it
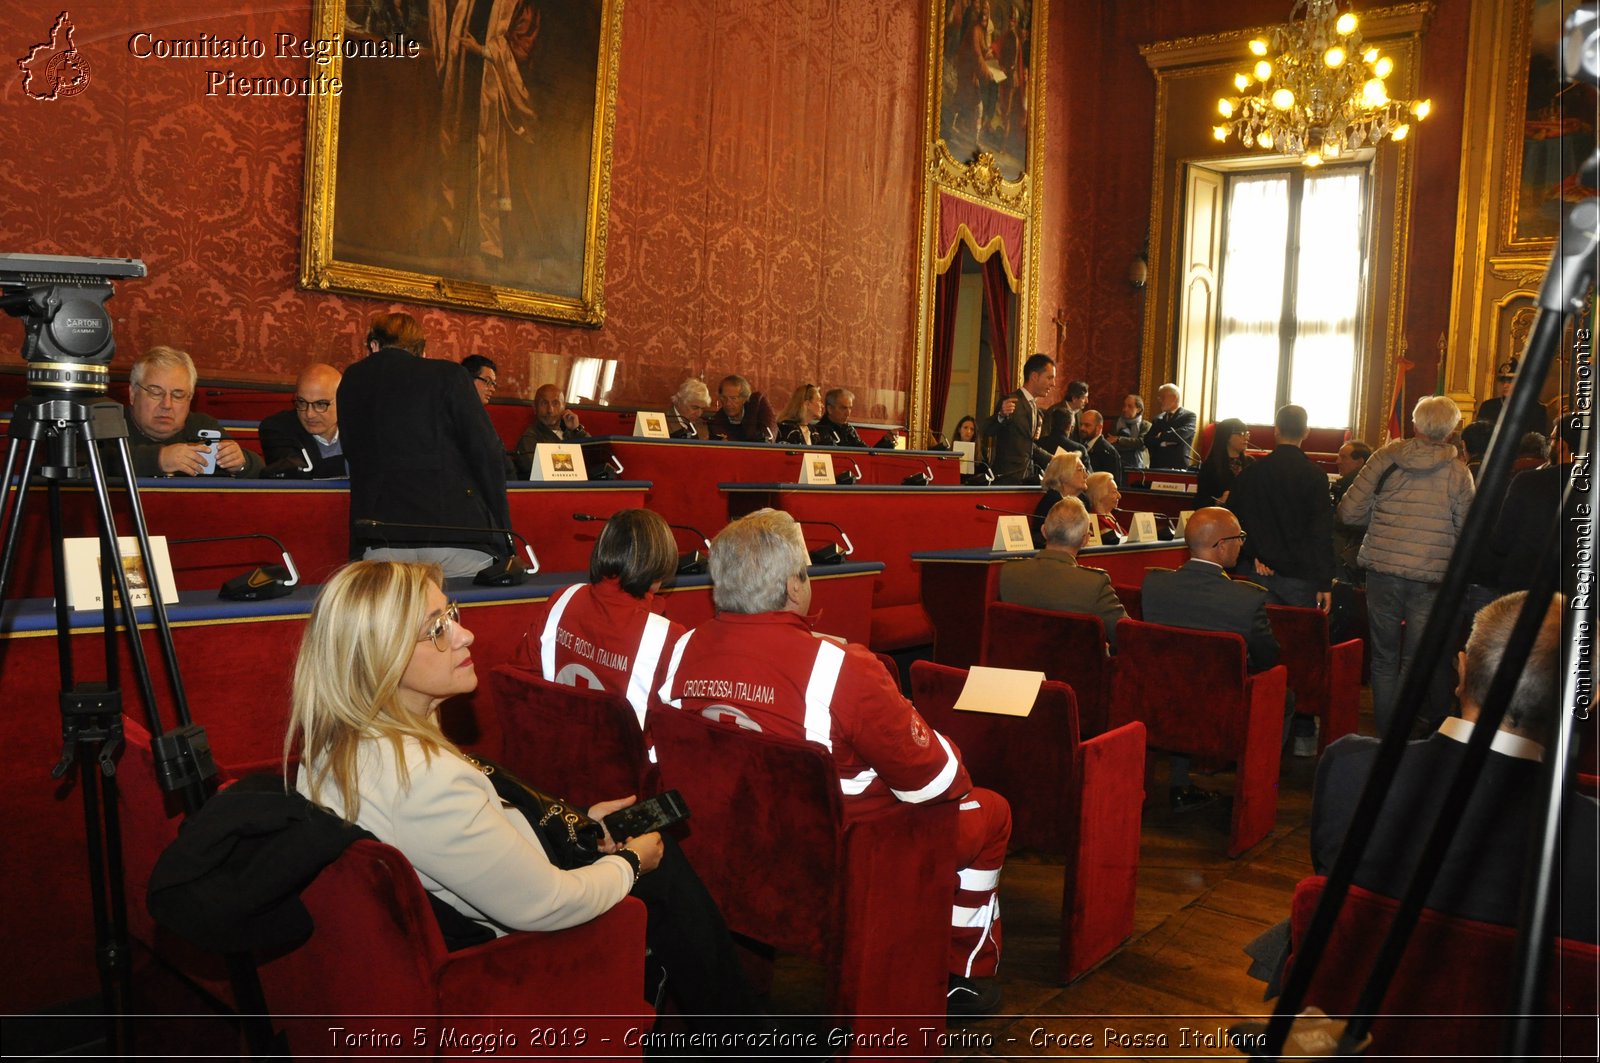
(1412, 496)
(1064, 477)
(689, 404)
(1103, 499)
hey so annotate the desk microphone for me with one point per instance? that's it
(260, 583)
(830, 554)
(501, 572)
(1010, 512)
(844, 478)
(692, 563)
(916, 479)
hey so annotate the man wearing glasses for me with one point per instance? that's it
(164, 435)
(1200, 596)
(484, 373)
(309, 432)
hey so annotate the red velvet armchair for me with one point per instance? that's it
(1326, 679)
(1194, 694)
(376, 963)
(1077, 798)
(867, 897)
(1454, 982)
(584, 745)
(1069, 648)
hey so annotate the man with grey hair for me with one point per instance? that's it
(688, 413)
(745, 416)
(1482, 872)
(1412, 496)
(759, 665)
(164, 434)
(1171, 436)
(1054, 580)
(834, 429)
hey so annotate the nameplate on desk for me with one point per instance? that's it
(648, 423)
(83, 571)
(1143, 528)
(999, 691)
(816, 469)
(1094, 538)
(1183, 522)
(1012, 535)
(558, 461)
(1177, 487)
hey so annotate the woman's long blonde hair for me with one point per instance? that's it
(358, 643)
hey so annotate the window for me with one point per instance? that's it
(1290, 295)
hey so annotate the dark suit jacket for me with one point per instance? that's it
(146, 452)
(1532, 503)
(1538, 419)
(1054, 581)
(1016, 454)
(421, 450)
(1481, 877)
(825, 433)
(1171, 439)
(760, 424)
(1060, 430)
(1103, 457)
(1200, 596)
(282, 436)
(1282, 503)
(537, 433)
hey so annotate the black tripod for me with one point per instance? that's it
(59, 431)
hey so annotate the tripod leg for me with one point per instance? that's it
(13, 506)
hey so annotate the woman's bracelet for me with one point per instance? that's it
(632, 858)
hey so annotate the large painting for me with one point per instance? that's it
(466, 159)
(1557, 133)
(985, 104)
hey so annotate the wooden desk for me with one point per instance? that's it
(237, 660)
(311, 517)
(888, 524)
(958, 585)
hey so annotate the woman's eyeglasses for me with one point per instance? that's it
(442, 628)
(320, 405)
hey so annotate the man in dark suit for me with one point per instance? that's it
(1016, 425)
(1103, 457)
(1482, 872)
(833, 428)
(1171, 436)
(309, 430)
(1489, 411)
(421, 450)
(1531, 507)
(1061, 420)
(1202, 597)
(1283, 504)
(1054, 580)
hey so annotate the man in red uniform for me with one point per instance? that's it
(759, 664)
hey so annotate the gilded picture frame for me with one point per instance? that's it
(471, 166)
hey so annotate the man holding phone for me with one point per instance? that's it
(165, 437)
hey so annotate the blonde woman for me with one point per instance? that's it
(1103, 499)
(384, 648)
(1064, 477)
(803, 410)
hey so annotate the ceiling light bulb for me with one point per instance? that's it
(1220, 132)
(1225, 107)
(1283, 99)
(1258, 47)
(1346, 23)
(1263, 71)
(1422, 108)
(1265, 140)
(1383, 67)
(1374, 93)
(1334, 57)
(1241, 81)
(1370, 55)
(1400, 132)
(1312, 160)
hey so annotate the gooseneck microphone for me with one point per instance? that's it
(1010, 512)
(262, 582)
(502, 572)
(830, 554)
(916, 479)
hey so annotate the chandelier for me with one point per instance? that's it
(1315, 91)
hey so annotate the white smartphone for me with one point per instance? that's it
(209, 436)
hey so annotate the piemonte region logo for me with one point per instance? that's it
(55, 69)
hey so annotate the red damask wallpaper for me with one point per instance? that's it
(764, 197)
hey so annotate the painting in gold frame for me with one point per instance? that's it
(476, 174)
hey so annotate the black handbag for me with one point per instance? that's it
(571, 839)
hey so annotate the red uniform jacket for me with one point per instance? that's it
(768, 672)
(600, 636)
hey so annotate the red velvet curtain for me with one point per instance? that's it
(997, 301)
(946, 295)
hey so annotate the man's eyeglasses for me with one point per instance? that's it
(488, 382)
(161, 394)
(442, 627)
(320, 405)
(1240, 538)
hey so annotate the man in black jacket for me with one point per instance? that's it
(1283, 504)
(1103, 457)
(834, 429)
(1171, 436)
(309, 431)
(421, 450)
(1018, 423)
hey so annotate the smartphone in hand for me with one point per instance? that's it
(658, 813)
(209, 436)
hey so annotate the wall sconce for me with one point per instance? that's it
(1139, 270)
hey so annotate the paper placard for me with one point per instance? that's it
(1012, 535)
(1183, 522)
(1143, 529)
(558, 461)
(83, 571)
(1094, 533)
(969, 457)
(652, 424)
(1176, 487)
(816, 469)
(999, 691)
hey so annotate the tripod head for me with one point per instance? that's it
(61, 301)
